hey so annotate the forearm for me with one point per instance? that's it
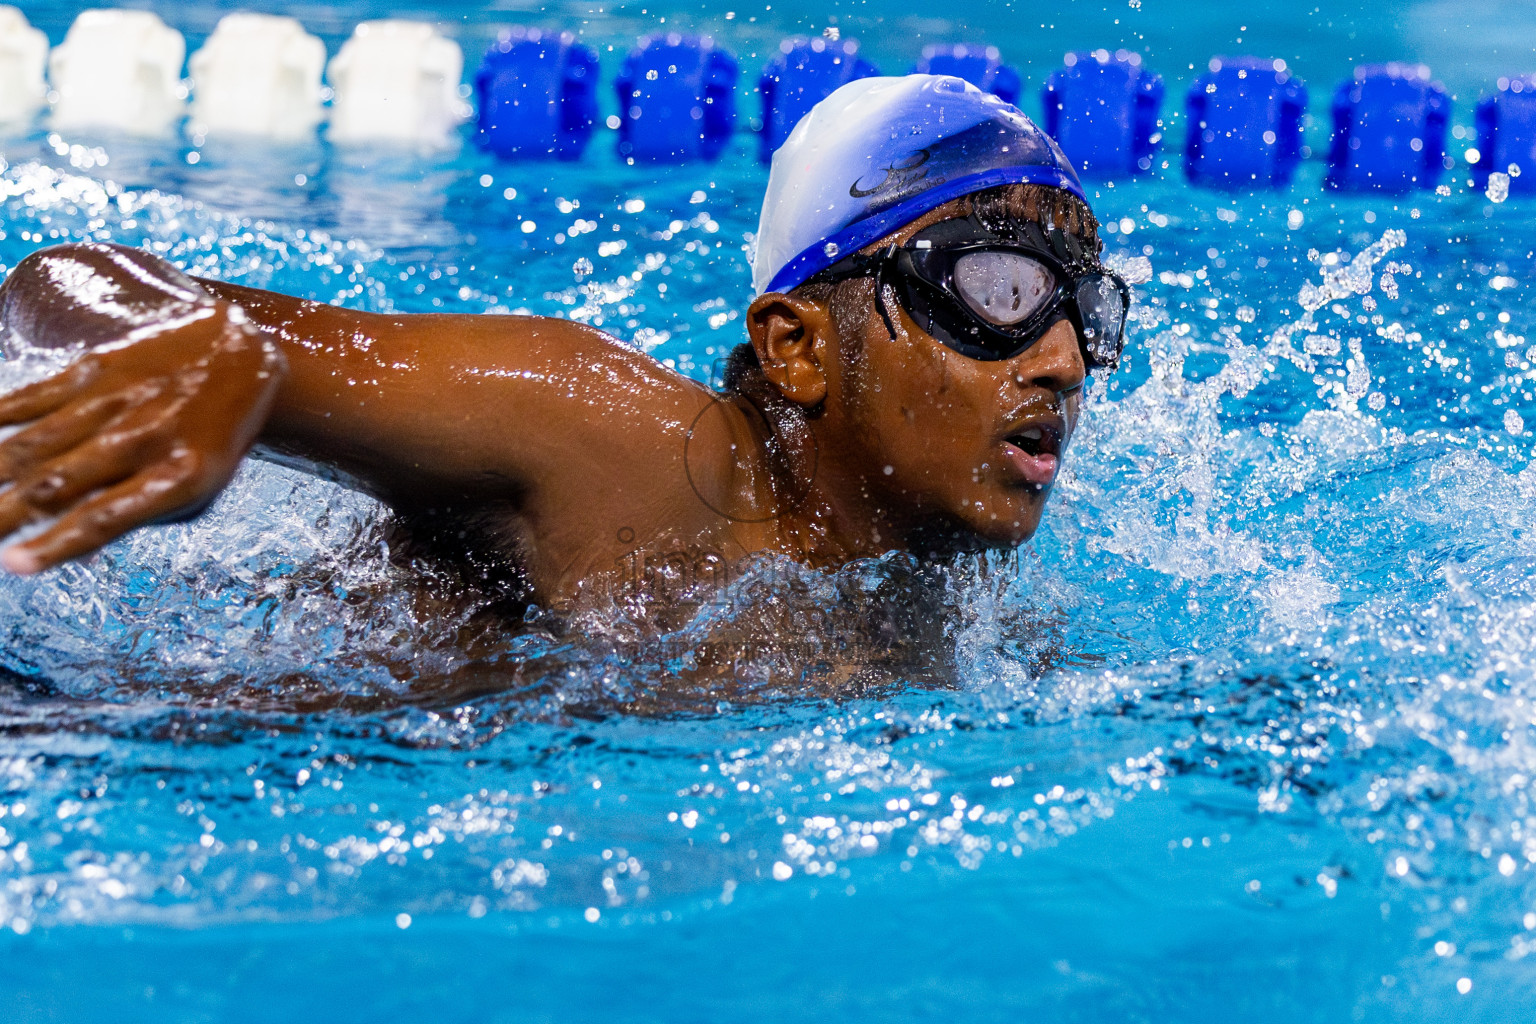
(438, 408)
(382, 399)
(341, 399)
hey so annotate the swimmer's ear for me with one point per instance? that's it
(792, 336)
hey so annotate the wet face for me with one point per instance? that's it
(964, 445)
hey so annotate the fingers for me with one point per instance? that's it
(72, 452)
(55, 433)
(42, 397)
(150, 494)
(55, 486)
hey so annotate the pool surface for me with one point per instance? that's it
(1246, 733)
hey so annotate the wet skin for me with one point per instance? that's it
(578, 448)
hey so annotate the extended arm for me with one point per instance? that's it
(181, 376)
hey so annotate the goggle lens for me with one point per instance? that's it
(1102, 308)
(1003, 288)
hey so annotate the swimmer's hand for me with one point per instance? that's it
(133, 433)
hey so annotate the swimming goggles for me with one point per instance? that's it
(993, 298)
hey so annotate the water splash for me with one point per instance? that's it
(1282, 591)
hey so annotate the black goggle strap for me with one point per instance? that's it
(878, 262)
(870, 265)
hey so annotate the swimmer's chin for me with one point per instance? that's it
(979, 536)
(1025, 509)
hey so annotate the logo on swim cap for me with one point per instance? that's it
(881, 152)
(897, 176)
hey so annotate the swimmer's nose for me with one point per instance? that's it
(1055, 362)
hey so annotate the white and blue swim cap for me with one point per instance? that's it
(881, 152)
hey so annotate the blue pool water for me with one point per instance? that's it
(1248, 730)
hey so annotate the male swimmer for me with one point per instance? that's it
(929, 301)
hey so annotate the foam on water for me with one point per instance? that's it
(1260, 692)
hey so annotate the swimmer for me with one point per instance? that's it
(929, 301)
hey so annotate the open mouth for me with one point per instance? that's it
(1042, 439)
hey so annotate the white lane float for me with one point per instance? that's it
(118, 69)
(258, 74)
(397, 81)
(23, 55)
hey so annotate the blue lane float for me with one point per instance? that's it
(802, 74)
(1245, 124)
(982, 66)
(1506, 134)
(537, 99)
(1102, 109)
(1389, 125)
(537, 94)
(677, 99)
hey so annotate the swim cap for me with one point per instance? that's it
(881, 152)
